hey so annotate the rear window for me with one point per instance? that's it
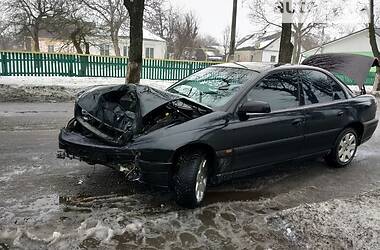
(320, 88)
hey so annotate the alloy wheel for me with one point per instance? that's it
(347, 147)
(201, 181)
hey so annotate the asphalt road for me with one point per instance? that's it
(50, 203)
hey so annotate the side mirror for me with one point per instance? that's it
(253, 108)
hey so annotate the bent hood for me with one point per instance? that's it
(123, 106)
(356, 67)
(135, 98)
(117, 113)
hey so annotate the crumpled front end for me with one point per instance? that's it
(109, 121)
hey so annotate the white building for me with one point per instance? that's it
(356, 43)
(153, 45)
(252, 49)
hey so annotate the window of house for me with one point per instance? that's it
(125, 51)
(320, 88)
(273, 59)
(104, 50)
(280, 90)
(252, 58)
(51, 49)
(149, 53)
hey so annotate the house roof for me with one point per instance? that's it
(377, 30)
(146, 34)
(253, 42)
(124, 33)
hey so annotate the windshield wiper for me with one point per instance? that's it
(241, 65)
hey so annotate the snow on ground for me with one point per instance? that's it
(73, 82)
(57, 89)
(62, 89)
(336, 224)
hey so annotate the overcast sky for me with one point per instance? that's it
(215, 15)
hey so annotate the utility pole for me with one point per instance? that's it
(231, 56)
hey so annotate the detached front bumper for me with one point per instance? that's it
(73, 145)
(93, 151)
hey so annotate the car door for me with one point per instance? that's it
(326, 110)
(274, 137)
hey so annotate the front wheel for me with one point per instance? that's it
(344, 149)
(190, 181)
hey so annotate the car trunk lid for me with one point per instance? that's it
(354, 66)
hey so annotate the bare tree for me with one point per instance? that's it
(206, 41)
(30, 15)
(156, 17)
(226, 41)
(112, 16)
(160, 18)
(73, 26)
(233, 32)
(4, 30)
(185, 34)
(373, 42)
(311, 20)
(136, 12)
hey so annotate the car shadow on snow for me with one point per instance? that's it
(105, 184)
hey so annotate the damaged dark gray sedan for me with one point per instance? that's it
(223, 122)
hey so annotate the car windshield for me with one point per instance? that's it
(213, 86)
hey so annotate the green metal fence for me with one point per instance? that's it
(49, 64)
(347, 80)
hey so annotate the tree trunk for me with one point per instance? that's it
(87, 47)
(299, 49)
(231, 56)
(286, 46)
(115, 42)
(136, 13)
(295, 48)
(36, 40)
(298, 34)
(76, 43)
(373, 42)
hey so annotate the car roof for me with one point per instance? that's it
(255, 66)
(265, 67)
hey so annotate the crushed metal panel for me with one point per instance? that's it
(356, 67)
(130, 100)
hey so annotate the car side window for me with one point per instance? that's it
(280, 90)
(338, 93)
(319, 87)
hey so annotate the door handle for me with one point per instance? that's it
(341, 113)
(297, 122)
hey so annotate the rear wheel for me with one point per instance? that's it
(344, 150)
(190, 181)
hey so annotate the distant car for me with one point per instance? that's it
(226, 121)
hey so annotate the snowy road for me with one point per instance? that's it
(49, 203)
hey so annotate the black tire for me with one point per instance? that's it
(188, 167)
(334, 158)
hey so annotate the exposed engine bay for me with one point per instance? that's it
(118, 116)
